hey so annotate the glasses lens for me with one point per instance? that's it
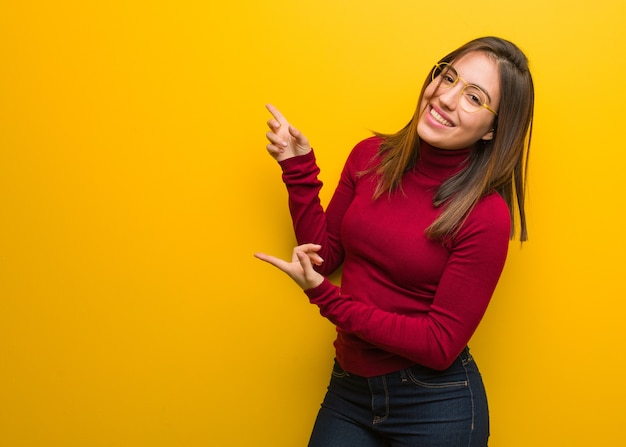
(445, 74)
(473, 98)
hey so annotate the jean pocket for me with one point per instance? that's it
(433, 379)
(338, 371)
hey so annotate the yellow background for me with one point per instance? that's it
(135, 187)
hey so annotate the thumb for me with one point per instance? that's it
(295, 133)
(311, 277)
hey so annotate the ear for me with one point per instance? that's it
(489, 135)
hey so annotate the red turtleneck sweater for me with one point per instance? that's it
(404, 298)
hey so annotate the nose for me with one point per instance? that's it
(449, 97)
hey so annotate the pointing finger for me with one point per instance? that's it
(276, 113)
(276, 262)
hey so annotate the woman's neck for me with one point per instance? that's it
(441, 164)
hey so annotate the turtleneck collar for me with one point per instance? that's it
(441, 164)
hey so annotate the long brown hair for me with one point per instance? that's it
(499, 164)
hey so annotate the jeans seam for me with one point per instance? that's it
(379, 419)
(471, 393)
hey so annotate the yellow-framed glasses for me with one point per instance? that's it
(472, 97)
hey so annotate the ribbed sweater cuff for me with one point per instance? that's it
(322, 293)
(294, 162)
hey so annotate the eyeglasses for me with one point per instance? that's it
(472, 97)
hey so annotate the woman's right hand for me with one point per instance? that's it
(300, 269)
(285, 140)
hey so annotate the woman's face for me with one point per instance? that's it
(443, 122)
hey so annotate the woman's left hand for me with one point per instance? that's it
(300, 269)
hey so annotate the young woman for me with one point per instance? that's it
(421, 221)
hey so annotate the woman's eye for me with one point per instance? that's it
(475, 96)
(475, 99)
(448, 78)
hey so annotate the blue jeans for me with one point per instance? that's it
(414, 407)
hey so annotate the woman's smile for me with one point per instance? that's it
(438, 117)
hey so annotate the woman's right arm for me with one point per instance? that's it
(300, 174)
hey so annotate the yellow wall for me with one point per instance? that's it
(134, 188)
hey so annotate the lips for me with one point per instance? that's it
(440, 119)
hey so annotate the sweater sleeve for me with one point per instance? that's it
(311, 223)
(436, 337)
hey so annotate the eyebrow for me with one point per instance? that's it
(470, 83)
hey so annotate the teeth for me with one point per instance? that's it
(439, 118)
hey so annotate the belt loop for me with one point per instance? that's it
(466, 357)
(403, 375)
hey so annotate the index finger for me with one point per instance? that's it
(276, 113)
(276, 262)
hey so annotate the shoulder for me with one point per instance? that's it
(364, 153)
(368, 145)
(490, 219)
(493, 204)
